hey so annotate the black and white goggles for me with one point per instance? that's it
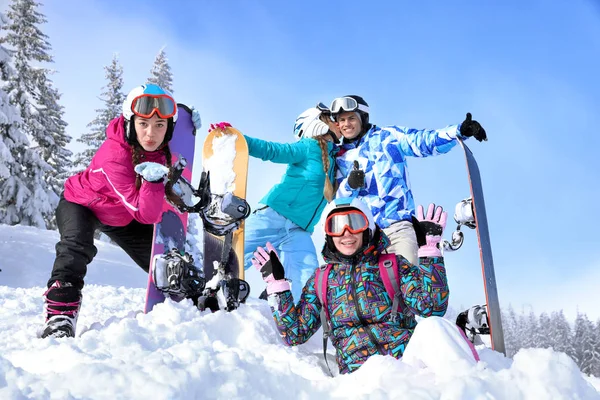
(347, 104)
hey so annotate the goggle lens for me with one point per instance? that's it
(146, 105)
(354, 221)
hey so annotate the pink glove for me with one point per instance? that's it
(266, 261)
(221, 126)
(433, 226)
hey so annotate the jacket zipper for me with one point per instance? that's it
(314, 213)
(360, 317)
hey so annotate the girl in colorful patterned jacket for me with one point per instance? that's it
(360, 317)
(287, 214)
(121, 193)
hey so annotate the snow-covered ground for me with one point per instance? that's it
(177, 352)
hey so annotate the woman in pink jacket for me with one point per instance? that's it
(121, 193)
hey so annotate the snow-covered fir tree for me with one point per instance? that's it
(512, 333)
(585, 343)
(541, 336)
(27, 197)
(560, 335)
(55, 152)
(113, 99)
(12, 138)
(161, 72)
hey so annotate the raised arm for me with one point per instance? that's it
(296, 323)
(425, 287)
(281, 153)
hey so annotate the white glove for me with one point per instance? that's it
(151, 171)
(196, 119)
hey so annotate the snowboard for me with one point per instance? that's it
(485, 251)
(225, 158)
(170, 232)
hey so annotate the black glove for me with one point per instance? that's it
(273, 266)
(268, 263)
(356, 179)
(472, 128)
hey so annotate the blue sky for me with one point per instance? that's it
(526, 70)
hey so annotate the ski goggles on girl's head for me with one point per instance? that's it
(353, 220)
(323, 108)
(347, 104)
(146, 105)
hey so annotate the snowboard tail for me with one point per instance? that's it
(485, 251)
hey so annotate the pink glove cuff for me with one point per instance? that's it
(278, 286)
(431, 249)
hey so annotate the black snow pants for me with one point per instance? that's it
(76, 249)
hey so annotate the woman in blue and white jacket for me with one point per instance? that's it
(287, 214)
(381, 154)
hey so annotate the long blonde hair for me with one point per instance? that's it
(328, 188)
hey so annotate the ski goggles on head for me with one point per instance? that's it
(146, 105)
(353, 220)
(347, 104)
(323, 108)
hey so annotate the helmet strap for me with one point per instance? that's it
(336, 140)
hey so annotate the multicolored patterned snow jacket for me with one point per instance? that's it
(381, 154)
(360, 307)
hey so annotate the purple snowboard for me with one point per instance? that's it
(170, 232)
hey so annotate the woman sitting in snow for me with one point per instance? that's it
(360, 316)
(121, 193)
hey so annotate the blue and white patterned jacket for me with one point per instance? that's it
(381, 154)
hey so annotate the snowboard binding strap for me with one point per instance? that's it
(175, 274)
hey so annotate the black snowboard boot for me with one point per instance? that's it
(63, 301)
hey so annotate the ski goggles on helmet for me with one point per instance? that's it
(354, 221)
(146, 105)
(347, 104)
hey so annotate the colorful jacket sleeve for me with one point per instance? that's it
(145, 204)
(423, 142)
(424, 287)
(281, 153)
(297, 323)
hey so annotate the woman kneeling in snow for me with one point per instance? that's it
(368, 300)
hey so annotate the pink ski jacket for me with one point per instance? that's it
(107, 186)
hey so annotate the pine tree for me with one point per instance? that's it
(529, 325)
(560, 335)
(585, 343)
(542, 336)
(512, 333)
(55, 152)
(27, 198)
(161, 72)
(12, 139)
(113, 99)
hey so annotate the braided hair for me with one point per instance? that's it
(136, 153)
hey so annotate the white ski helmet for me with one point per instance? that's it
(149, 99)
(308, 124)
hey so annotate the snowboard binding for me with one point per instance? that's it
(221, 215)
(224, 294)
(176, 275)
(474, 322)
(463, 216)
(224, 214)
